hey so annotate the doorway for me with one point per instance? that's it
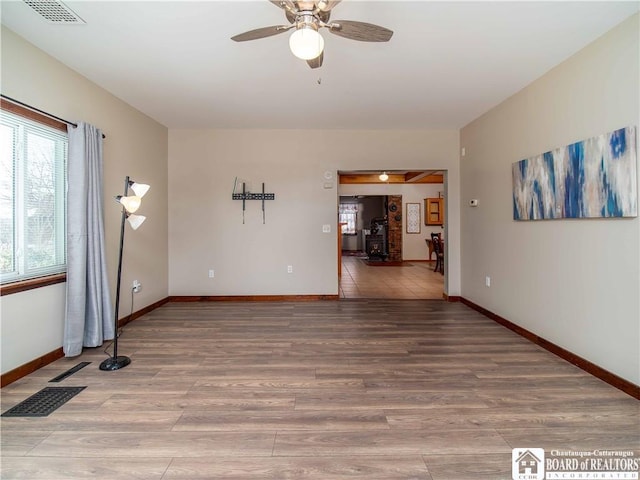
(395, 264)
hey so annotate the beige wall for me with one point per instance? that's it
(32, 322)
(413, 245)
(573, 282)
(206, 230)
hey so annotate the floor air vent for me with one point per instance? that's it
(44, 402)
(55, 11)
(69, 372)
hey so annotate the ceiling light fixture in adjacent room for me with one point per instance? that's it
(383, 177)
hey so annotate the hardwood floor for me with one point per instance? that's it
(355, 389)
(414, 280)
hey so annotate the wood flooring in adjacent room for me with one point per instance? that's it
(327, 390)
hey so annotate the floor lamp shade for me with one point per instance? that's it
(116, 362)
(140, 189)
(136, 220)
(131, 203)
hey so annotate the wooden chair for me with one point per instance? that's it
(439, 251)
(430, 244)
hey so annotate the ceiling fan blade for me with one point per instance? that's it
(326, 5)
(316, 62)
(260, 33)
(364, 32)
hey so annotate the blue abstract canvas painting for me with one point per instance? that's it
(592, 178)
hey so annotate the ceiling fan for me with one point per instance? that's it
(307, 17)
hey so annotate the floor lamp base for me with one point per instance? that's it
(115, 363)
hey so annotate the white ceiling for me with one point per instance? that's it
(447, 63)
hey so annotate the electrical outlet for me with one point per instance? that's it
(289, 268)
(136, 286)
(212, 273)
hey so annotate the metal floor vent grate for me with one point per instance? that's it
(69, 372)
(55, 11)
(44, 402)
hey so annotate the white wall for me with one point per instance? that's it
(135, 146)
(573, 282)
(413, 245)
(205, 226)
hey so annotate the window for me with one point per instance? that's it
(33, 158)
(348, 215)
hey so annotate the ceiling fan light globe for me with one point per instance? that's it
(306, 43)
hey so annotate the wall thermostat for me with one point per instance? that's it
(473, 203)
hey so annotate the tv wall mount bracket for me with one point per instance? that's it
(245, 195)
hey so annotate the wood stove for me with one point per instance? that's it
(375, 246)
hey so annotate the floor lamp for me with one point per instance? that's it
(130, 203)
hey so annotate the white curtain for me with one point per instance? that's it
(348, 208)
(347, 214)
(89, 314)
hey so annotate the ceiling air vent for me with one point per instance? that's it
(55, 11)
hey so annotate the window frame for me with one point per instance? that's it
(50, 279)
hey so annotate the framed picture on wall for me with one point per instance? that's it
(413, 218)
